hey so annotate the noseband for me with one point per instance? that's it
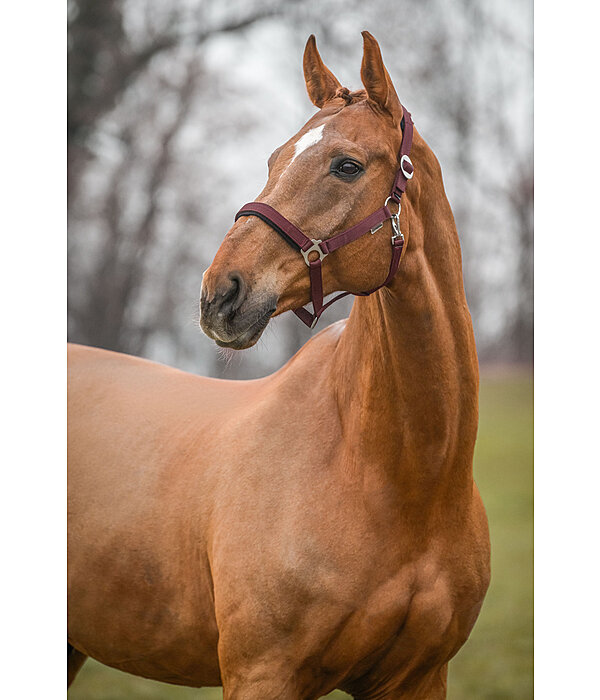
(372, 223)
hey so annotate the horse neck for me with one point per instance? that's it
(406, 374)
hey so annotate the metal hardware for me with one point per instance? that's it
(376, 228)
(396, 227)
(397, 202)
(396, 232)
(316, 247)
(407, 175)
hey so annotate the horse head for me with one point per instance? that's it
(333, 172)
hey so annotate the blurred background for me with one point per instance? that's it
(173, 110)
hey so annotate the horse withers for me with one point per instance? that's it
(318, 528)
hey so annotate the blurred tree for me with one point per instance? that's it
(121, 262)
(95, 41)
(520, 335)
(105, 62)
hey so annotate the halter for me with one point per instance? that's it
(305, 245)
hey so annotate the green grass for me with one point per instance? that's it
(496, 662)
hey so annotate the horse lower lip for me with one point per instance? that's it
(241, 342)
(249, 336)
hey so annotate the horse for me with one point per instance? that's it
(314, 529)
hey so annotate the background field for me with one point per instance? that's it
(496, 663)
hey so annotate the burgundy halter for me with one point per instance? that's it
(372, 223)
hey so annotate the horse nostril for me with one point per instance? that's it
(233, 298)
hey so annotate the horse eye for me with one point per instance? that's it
(346, 169)
(349, 168)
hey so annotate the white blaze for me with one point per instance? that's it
(309, 139)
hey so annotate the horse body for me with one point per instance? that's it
(314, 529)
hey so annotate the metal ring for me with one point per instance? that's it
(316, 247)
(407, 175)
(397, 202)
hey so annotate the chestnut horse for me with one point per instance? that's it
(318, 528)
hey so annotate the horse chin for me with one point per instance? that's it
(249, 337)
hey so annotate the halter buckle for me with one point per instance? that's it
(407, 173)
(315, 247)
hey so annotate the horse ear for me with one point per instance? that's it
(376, 79)
(321, 83)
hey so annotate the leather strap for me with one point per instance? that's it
(406, 166)
(355, 232)
(277, 221)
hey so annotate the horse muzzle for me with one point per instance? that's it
(232, 315)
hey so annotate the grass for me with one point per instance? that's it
(496, 662)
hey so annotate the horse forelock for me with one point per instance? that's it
(346, 98)
(350, 97)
